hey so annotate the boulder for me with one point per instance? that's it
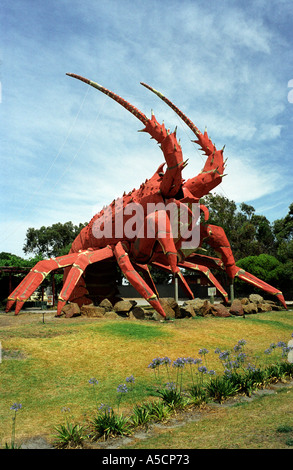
(187, 311)
(250, 308)
(111, 315)
(107, 305)
(244, 301)
(92, 311)
(265, 307)
(137, 313)
(274, 305)
(206, 309)
(124, 306)
(256, 299)
(219, 310)
(236, 308)
(170, 306)
(71, 310)
(199, 305)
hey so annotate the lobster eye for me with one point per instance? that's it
(161, 173)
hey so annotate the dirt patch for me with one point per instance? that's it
(14, 354)
(37, 442)
(23, 318)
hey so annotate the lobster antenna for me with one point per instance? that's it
(132, 109)
(187, 121)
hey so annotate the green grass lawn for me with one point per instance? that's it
(47, 366)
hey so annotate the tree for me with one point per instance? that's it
(264, 266)
(283, 231)
(54, 240)
(9, 259)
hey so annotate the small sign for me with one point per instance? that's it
(212, 291)
(50, 300)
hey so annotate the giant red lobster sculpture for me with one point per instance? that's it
(162, 250)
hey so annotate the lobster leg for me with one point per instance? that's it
(217, 239)
(182, 281)
(34, 278)
(255, 281)
(206, 271)
(144, 269)
(160, 237)
(82, 261)
(135, 279)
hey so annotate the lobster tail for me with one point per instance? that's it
(132, 109)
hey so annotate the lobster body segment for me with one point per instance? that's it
(159, 238)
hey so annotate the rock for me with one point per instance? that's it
(111, 315)
(107, 305)
(250, 308)
(236, 308)
(124, 306)
(256, 299)
(219, 310)
(187, 311)
(198, 305)
(244, 301)
(265, 307)
(92, 311)
(71, 310)
(277, 307)
(137, 313)
(156, 316)
(206, 309)
(170, 306)
(274, 305)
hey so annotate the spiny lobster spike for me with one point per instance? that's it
(187, 121)
(132, 109)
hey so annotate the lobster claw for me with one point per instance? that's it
(213, 170)
(172, 179)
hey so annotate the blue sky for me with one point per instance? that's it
(67, 150)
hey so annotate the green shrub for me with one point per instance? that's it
(220, 388)
(108, 424)
(69, 436)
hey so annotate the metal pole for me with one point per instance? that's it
(176, 288)
(232, 292)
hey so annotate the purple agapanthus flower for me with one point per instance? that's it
(16, 406)
(93, 381)
(122, 388)
(130, 379)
